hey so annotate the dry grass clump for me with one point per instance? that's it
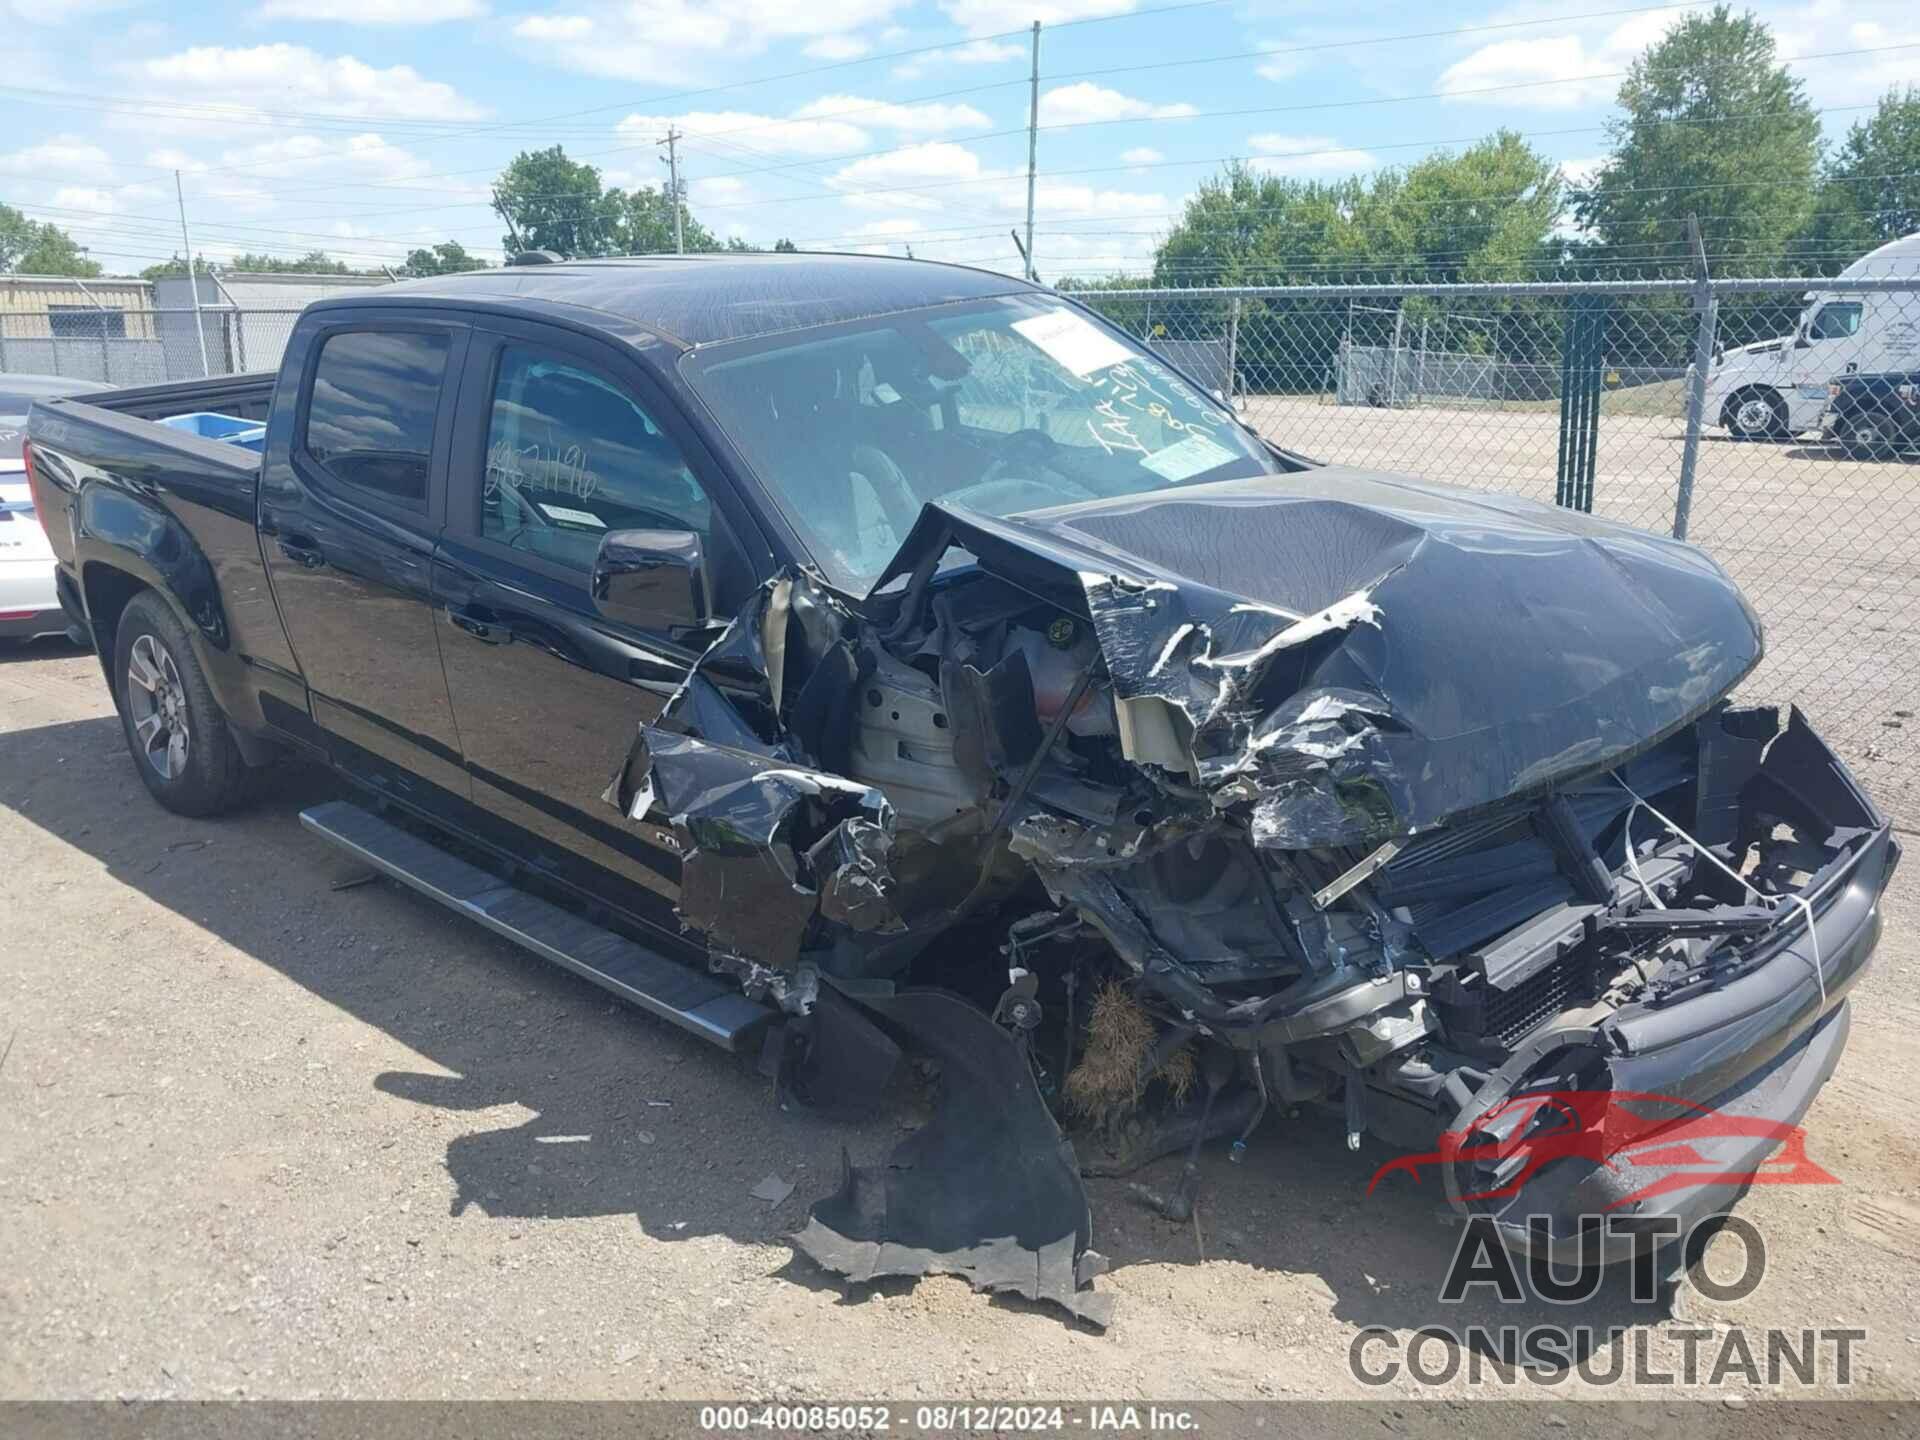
(1105, 1084)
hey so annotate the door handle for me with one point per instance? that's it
(482, 624)
(301, 550)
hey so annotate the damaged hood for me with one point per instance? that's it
(1353, 656)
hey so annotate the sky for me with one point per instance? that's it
(367, 128)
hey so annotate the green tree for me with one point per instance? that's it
(785, 246)
(449, 257)
(1870, 188)
(32, 247)
(174, 268)
(643, 225)
(552, 203)
(1483, 214)
(314, 262)
(1714, 125)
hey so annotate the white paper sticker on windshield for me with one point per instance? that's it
(1194, 455)
(572, 517)
(1080, 346)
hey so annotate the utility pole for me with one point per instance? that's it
(193, 279)
(500, 206)
(672, 142)
(1033, 145)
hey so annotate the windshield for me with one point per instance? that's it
(1002, 407)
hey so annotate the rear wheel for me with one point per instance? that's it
(180, 741)
(1758, 414)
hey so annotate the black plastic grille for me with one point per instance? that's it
(1512, 1015)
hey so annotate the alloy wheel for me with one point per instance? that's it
(157, 702)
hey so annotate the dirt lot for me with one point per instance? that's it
(263, 1137)
(1826, 547)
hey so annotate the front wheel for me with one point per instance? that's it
(180, 741)
(1865, 438)
(1757, 414)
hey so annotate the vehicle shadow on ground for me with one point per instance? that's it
(47, 647)
(627, 1115)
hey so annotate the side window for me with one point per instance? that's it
(370, 418)
(570, 456)
(1836, 321)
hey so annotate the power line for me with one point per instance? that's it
(477, 128)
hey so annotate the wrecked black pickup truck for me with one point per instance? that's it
(841, 657)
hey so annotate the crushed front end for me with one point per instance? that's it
(1147, 817)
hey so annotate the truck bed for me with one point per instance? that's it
(248, 396)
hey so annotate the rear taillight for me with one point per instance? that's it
(40, 498)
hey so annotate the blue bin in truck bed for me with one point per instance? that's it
(233, 429)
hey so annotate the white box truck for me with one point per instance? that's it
(1773, 389)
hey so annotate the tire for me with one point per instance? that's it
(1756, 414)
(175, 732)
(1866, 439)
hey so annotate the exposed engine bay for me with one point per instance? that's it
(1153, 817)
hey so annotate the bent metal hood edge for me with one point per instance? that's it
(1353, 656)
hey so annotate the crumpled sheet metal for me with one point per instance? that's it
(988, 1189)
(1340, 657)
(768, 846)
(769, 840)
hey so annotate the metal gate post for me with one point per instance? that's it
(1233, 350)
(1707, 306)
(1581, 366)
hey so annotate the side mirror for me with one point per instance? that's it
(651, 579)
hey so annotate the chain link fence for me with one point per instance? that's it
(1696, 409)
(142, 347)
(1588, 395)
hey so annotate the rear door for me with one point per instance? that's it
(562, 440)
(349, 513)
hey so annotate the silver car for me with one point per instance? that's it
(29, 605)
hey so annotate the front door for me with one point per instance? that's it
(349, 512)
(569, 443)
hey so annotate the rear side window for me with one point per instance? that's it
(370, 418)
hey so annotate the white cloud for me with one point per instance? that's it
(1086, 103)
(1307, 156)
(821, 128)
(373, 12)
(835, 47)
(1582, 171)
(928, 118)
(718, 190)
(64, 157)
(665, 40)
(1558, 71)
(56, 12)
(974, 52)
(991, 17)
(956, 181)
(766, 134)
(283, 77)
(939, 161)
(1141, 155)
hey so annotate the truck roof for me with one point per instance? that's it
(1896, 257)
(706, 299)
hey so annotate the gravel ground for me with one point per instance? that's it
(263, 1137)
